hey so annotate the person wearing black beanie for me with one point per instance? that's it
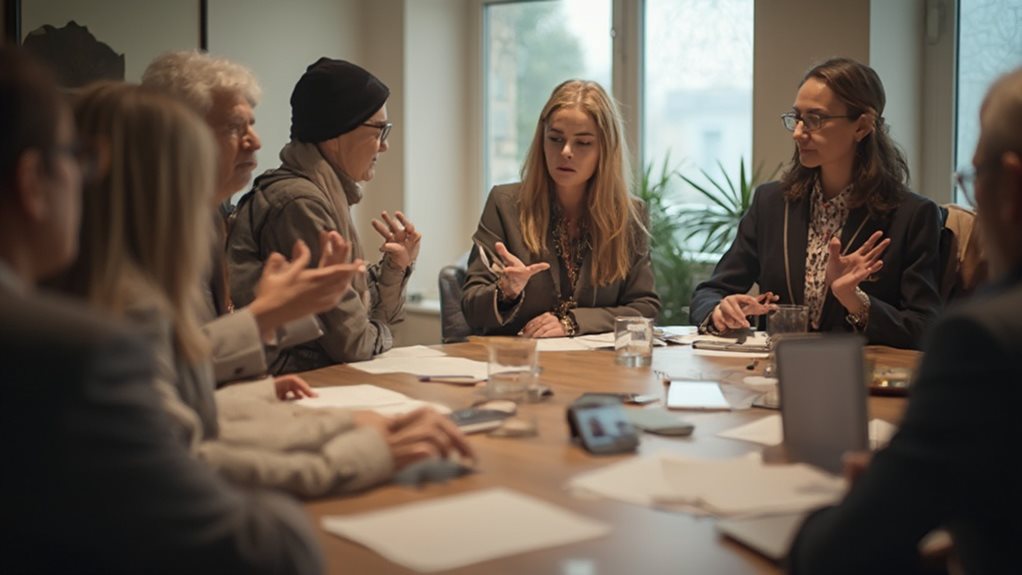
(339, 128)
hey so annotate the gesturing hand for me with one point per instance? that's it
(291, 290)
(400, 240)
(292, 387)
(516, 274)
(732, 311)
(846, 272)
(544, 325)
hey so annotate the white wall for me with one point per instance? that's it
(791, 36)
(437, 137)
(278, 40)
(896, 51)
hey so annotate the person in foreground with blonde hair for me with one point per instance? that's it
(144, 246)
(96, 481)
(573, 250)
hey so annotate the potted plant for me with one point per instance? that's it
(671, 269)
(717, 222)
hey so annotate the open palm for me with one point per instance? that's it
(846, 272)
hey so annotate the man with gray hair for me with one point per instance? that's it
(225, 93)
(952, 463)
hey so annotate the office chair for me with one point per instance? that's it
(453, 327)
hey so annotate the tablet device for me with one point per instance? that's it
(822, 385)
(701, 395)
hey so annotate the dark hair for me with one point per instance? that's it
(29, 109)
(879, 172)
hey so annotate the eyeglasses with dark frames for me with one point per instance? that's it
(811, 121)
(383, 127)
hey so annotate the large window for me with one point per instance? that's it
(989, 44)
(531, 47)
(698, 87)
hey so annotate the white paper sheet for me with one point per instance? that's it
(431, 366)
(367, 397)
(634, 480)
(735, 486)
(747, 486)
(460, 530)
(756, 339)
(769, 431)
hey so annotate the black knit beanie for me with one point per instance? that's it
(334, 97)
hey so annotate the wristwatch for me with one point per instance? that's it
(859, 320)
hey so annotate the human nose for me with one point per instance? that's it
(800, 132)
(566, 151)
(384, 146)
(252, 140)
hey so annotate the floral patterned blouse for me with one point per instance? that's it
(826, 220)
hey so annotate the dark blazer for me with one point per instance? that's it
(597, 306)
(94, 479)
(904, 298)
(951, 464)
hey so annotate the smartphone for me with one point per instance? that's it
(700, 395)
(659, 421)
(476, 419)
(629, 398)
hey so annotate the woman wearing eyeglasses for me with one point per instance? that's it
(840, 232)
(564, 252)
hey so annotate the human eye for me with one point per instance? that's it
(585, 142)
(555, 138)
(812, 120)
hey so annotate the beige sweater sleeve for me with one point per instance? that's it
(307, 452)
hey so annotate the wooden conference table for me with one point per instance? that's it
(643, 540)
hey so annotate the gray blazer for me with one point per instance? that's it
(98, 482)
(597, 306)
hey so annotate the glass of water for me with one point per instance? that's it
(633, 341)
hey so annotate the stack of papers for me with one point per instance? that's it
(367, 397)
(769, 430)
(424, 362)
(460, 530)
(722, 487)
(581, 342)
(752, 347)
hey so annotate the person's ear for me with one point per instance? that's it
(864, 126)
(1011, 183)
(29, 184)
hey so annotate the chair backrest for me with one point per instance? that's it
(453, 327)
(962, 263)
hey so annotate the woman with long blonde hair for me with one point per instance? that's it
(565, 251)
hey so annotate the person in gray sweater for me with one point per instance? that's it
(339, 128)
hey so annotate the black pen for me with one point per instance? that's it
(451, 378)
